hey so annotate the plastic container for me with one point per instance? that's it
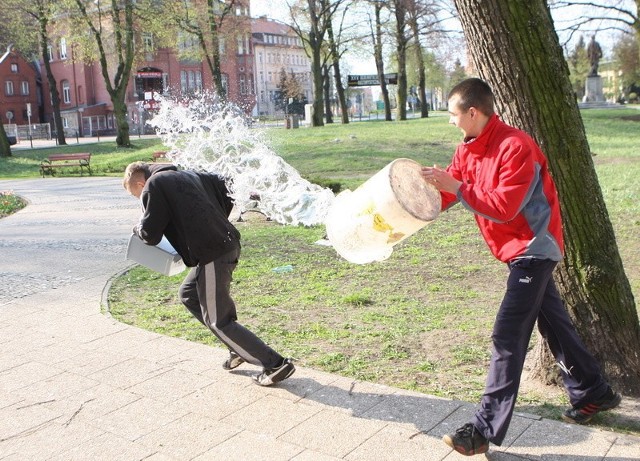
(364, 225)
(161, 258)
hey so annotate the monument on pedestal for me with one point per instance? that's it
(593, 95)
(593, 85)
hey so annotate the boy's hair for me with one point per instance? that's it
(135, 171)
(474, 92)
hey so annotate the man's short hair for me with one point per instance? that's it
(474, 92)
(136, 171)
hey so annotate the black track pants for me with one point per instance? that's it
(532, 295)
(205, 292)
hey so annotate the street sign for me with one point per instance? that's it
(371, 80)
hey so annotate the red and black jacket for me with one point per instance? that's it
(507, 185)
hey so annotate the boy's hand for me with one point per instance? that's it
(440, 179)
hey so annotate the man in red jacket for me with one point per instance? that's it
(191, 210)
(500, 174)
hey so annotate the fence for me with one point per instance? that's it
(22, 132)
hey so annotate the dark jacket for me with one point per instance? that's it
(191, 209)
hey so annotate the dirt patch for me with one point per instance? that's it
(633, 118)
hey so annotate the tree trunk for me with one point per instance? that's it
(214, 59)
(5, 147)
(401, 49)
(318, 105)
(377, 40)
(53, 84)
(422, 91)
(337, 77)
(327, 94)
(123, 50)
(315, 39)
(515, 48)
(122, 122)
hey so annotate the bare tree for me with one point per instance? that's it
(376, 28)
(42, 12)
(402, 37)
(29, 26)
(335, 63)
(591, 16)
(310, 24)
(502, 37)
(112, 31)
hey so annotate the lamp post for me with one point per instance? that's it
(29, 121)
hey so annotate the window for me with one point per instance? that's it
(63, 48)
(24, 86)
(225, 84)
(243, 85)
(184, 81)
(8, 88)
(66, 92)
(223, 46)
(14, 68)
(190, 80)
(240, 45)
(50, 52)
(147, 42)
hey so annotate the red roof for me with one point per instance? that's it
(263, 25)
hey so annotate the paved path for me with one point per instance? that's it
(77, 385)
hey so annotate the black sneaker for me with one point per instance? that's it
(584, 413)
(467, 441)
(234, 361)
(275, 375)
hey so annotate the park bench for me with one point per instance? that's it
(54, 161)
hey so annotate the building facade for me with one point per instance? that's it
(86, 106)
(276, 47)
(21, 93)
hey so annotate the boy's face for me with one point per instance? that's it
(468, 121)
(135, 188)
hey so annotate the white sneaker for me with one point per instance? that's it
(275, 375)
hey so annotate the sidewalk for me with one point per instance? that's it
(26, 144)
(75, 384)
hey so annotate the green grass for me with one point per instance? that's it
(420, 320)
(106, 158)
(10, 203)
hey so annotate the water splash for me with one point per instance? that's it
(206, 136)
